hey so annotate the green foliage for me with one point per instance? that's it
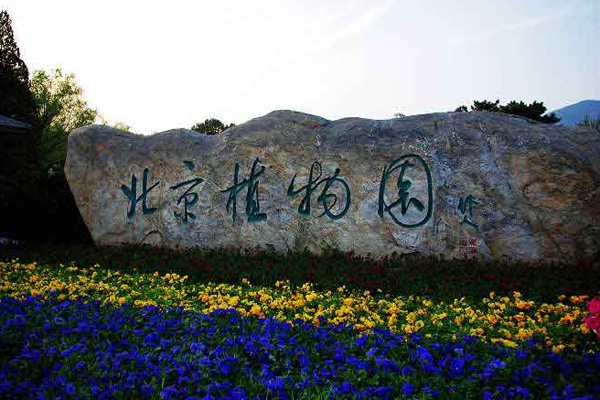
(399, 115)
(211, 126)
(590, 123)
(61, 109)
(534, 111)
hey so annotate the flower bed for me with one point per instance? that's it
(68, 331)
(438, 279)
(71, 349)
(511, 320)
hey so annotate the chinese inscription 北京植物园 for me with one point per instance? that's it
(411, 204)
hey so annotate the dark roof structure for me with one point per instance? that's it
(9, 125)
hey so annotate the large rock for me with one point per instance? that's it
(478, 185)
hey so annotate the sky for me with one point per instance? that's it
(158, 65)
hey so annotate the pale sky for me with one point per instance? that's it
(157, 65)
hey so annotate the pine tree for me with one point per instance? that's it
(535, 111)
(211, 126)
(18, 153)
(15, 98)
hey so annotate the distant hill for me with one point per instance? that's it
(573, 114)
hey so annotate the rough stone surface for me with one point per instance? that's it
(501, 187)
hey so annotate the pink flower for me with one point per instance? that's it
(592, 322)
(594, 306)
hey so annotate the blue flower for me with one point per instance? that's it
(384, 392)
(372, 351)
(491, 368)
(522, 391)
(226, 366)
(169, 392)
(69, 389)
(457, 367)
(408, 389)
(521, 354)
(429, 390)
(423, 355)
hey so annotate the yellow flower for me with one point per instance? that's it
(524, 334)
(524, 305)
(505, 342)
(477, 331)
(256, 310)
(557, 349)
(311, 296)
(155, 273)
(577, 299)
